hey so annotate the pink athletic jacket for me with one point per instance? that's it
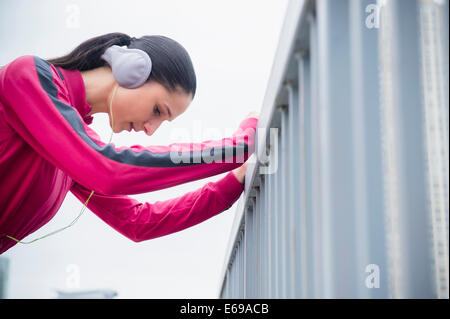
(48, 149)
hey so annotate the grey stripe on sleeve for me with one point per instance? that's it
(127, 156)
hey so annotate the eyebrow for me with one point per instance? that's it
(168, 110)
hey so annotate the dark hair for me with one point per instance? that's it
(171, 65)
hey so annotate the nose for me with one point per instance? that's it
(149, 129)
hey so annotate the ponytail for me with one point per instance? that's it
(87, 55)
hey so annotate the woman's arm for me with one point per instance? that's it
(35, 103)
(143, 221)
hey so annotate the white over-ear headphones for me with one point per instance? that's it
(130, 67)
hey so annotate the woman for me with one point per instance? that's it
(48, 149)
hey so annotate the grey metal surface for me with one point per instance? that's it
(4, 275)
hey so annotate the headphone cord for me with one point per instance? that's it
(85, 204)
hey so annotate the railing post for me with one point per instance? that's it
(369, 201)
(338, 227)
(269, 200)
(249, 251)
(278, 206)
(257, 246)
(293, 190)
(281, 208)
(303, 239)
(413, 213)
(263, 212)
(316, 261)
(273, 229)
(286, 205)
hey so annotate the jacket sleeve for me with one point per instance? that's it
(143, 221)
(37, 106)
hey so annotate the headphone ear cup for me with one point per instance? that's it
(130, 67)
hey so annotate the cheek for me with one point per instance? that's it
(120, 110)
(131, 106)
(124, 108)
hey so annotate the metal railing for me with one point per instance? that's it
(347, 196)
(4, 273)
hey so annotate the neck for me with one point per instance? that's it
(98, 83)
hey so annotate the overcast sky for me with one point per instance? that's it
(232, 45)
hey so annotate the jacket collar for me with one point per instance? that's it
(77, 91)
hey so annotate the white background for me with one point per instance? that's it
(232, 45)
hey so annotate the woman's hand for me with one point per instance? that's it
(240, 172)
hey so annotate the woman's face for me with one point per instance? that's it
(146, 107)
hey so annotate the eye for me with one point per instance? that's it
(156, 110)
